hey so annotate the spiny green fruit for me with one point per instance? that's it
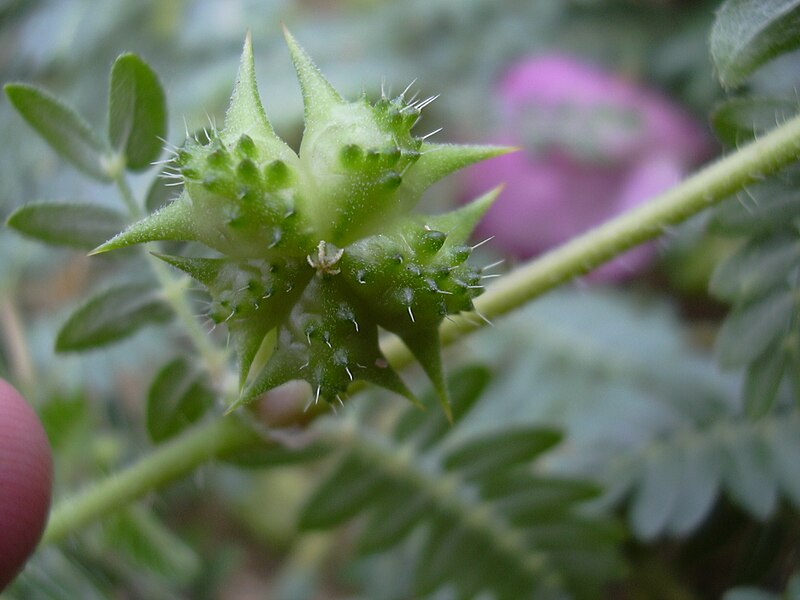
(319, 249)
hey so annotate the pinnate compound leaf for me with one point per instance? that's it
(137, 112)
(179, 395)
(61, 127)
(77, 225)
(112, 315)
(741, 120)
(748, 33)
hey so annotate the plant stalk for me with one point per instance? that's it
(169, 462)
(709, 186)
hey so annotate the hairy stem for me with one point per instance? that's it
(174, 288)
(170, 461)
(709, 186)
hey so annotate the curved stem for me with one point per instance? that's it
(709, 186)
(170, 461)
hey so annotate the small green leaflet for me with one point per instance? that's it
(78, 225)
(137, 112)
(748, 33)
(111, 315)
(61, 127)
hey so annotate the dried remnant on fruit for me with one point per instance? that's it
(318, 249)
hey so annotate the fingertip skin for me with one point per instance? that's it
(26, 475)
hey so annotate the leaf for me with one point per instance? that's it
(698, 488)
(755, 268)
(762, 380)
(750, 330)
(79, 225)
(526, 499)
(748, 474)
(179, 395)
(657, 494)
(274, 455)
(139, 535)
(112, 315)
(783, 442)
(748, 593)
(353, 485)
(62, 128)
(500, 450)
(392, 520)
(137, 112)
(763, 208)
(427, 427)
(741, 120)
(441, 555)
(748, 33)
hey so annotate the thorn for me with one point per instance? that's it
(475, 287)
(316, 398)
(303, 366)
(340, 400)
(479, 244)
(411, 314)
(233, 312)
(402, 237)
(491, 276)
(483, 317)
(426, 102)
(432, 133)
(168, 145)
(185, 126)
(494, 264)
(349, 374)
(439, 291)
(355, 323)
(308, 404)
(408, 87)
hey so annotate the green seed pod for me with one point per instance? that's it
(318, 250)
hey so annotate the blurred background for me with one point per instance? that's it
(609, 101)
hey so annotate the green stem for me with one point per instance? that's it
(709, 186)
(168, 462)
(705, 188)
(134, 208)
(174, 288)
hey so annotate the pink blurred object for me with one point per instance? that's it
(594, 144)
